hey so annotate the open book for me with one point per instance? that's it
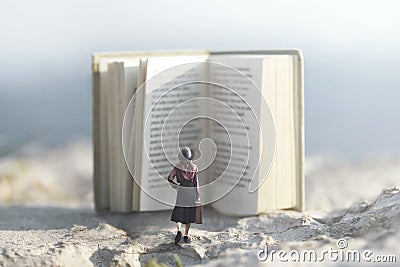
(241, 112)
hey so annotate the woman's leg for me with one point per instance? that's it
(187, 227)
(186, 238)
(178, 234)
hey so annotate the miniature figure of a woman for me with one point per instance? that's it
(186, 173)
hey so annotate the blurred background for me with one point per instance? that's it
(352, 65)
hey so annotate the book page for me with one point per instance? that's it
(116, 172)
(170, 122)
(235, 131)
(129, 132)
(279, 190)
(101, 96)
(123, 82)
(136, 109)
(284, 113)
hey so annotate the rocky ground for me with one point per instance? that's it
(350, 207)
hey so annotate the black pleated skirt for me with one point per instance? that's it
(185, 206)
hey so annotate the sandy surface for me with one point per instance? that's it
(46, 218)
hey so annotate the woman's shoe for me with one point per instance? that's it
(186, 239)
(178, 237)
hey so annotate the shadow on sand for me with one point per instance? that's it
(23, 217)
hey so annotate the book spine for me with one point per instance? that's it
(100, 177)
(300, 200)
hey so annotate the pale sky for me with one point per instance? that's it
(351, 51)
